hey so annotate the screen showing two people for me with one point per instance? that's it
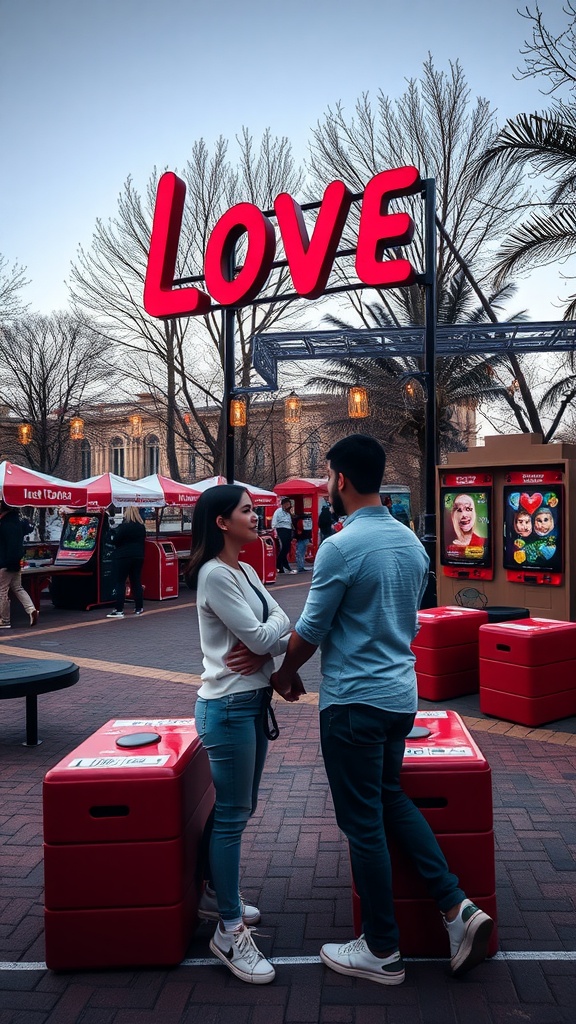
(465, 527)
(533, 528)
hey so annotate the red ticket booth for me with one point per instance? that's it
(123, 818)
(307, 494)
(160, 571)
(449, 779)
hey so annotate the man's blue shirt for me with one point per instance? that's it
(362, 609)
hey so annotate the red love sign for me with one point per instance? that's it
(531, 502)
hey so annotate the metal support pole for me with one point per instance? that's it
(228, 331)
(431, 453)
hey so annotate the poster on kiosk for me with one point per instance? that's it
(466, 525)
(534, 527)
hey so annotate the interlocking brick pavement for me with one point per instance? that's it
(295, 862)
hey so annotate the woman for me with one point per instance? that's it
(129, 539)
(232, 706)
(463, 522)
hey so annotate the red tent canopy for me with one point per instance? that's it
(181, 495)
(20, 486)
(303, 485)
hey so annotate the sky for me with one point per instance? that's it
(92, 91)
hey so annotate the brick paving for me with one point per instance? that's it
(295, 862)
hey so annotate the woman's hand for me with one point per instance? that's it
(244, 661)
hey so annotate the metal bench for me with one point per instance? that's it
(27, 677)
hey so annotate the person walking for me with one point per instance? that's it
(129, 539)
(12, 532)
(241, 629)
(362, 610)
(282, 523)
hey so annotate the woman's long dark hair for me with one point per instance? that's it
(207, 537)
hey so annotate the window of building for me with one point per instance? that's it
(313, 447)
(86, 459)
(152, 455)
(118, 455)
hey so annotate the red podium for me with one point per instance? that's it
(448, 778)
(446, 649)
(528, 670)
(123, 818)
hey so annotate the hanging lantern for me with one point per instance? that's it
(292, 408)
(135, 422)
(238, 412)
(358, 407)
(410, 389)
(24, 433)
(76, 429)
(187, 418)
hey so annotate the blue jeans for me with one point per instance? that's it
(232, 733)
(301, 546)
(363, 748)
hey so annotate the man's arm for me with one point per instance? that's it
(286, 680)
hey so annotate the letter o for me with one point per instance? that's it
(244, 217)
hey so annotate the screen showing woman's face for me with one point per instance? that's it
(463, 514)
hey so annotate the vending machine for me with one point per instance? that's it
(86, 547)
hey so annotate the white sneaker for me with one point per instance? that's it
(240, 953)
(356, 959)
(115, 615)
(469, 935)
(208, 909)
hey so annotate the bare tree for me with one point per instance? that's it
(49, 367)
(181, 361)
(12, 281)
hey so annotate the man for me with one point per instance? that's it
(12, 532)
(282, 523)
(303, 532)
(325, 521)
(362, 610)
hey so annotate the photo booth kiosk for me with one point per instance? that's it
(307, 494)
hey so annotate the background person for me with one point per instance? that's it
(12, 533)
(362, 609)
(129, 539)
(325, 521)
(282, 523)
(303, 531)
(241, 629)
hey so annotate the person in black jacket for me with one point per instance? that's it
(129, 539)
(12, 531)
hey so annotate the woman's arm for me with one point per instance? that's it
(226, 598)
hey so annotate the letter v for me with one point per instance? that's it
(161, 299)
(310, 260)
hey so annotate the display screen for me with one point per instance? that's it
(79, 534)
(533, 519)
(465, 527)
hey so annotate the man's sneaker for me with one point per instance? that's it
(115, 615)
(469, 935)
(5, 625)
(208, 909)
(139, 611)
(34, 617)
(240, 953)
(356, 959)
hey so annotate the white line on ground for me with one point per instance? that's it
(547, 955)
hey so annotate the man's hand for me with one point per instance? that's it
(290, 687)
(244, 661)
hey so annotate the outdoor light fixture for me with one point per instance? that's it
(187, 418)
(358, 407)
(135, 422)
(292, 408)
(238, 412)
(410, 389)
(76, 429)
(25, 433)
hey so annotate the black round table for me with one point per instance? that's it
(27, 677)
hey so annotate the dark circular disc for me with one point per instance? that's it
(138, 739)
(418, 732)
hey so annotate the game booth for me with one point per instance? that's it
(307, 494)
(86, 548)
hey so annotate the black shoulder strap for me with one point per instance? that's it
(265, 609)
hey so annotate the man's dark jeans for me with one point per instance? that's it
(285, 540)
(363, 748)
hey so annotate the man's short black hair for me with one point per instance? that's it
(286, 500)
(361, 459)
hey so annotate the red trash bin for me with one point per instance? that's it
(448, 778)
(122, 829)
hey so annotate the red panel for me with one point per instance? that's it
(529, 711)
(528, 680)
(531, 641)
(119, 937)
(449, 626)
(447, 685)
(438, 661)
(470, 856)
(159, 798)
